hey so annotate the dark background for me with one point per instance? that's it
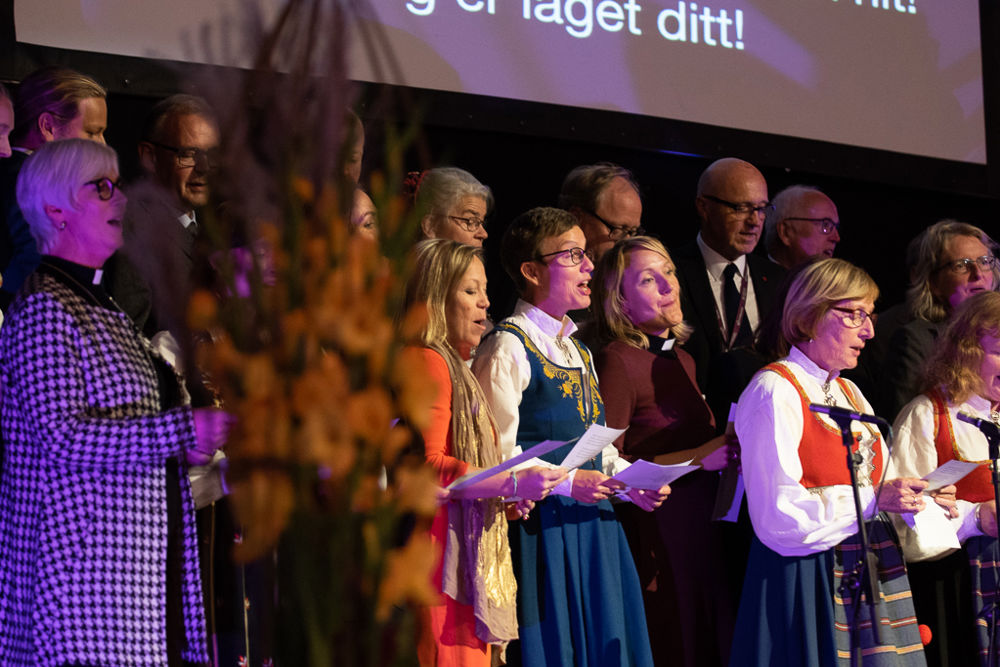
(522, 150)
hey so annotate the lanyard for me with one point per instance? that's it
(741, 306)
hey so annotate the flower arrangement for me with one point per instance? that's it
(324, 479)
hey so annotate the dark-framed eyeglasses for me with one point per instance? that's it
(853, 317)
(105, 187)
(574, 255)
(744, 208)
(960, 267)
(826, 225)
(618, 232)
(468, 224)
(189, 156)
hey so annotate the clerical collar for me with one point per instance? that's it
(86, 281)
(662, 346)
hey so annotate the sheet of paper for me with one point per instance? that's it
(590, 445)
(646, 475)
(514, 462)
(933, 527)
(949, 473)
(729, 497)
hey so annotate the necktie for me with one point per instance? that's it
(731, 301)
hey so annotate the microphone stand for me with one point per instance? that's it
(868, 564)
(989, 611)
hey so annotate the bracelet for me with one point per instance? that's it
(979, 520)
(513, 476)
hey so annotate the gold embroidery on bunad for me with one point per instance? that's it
(569, 379)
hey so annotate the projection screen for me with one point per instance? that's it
(894, 75)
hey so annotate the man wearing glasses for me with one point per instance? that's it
(177, 154)
(725, 290)
(803, 224)
(605, 199)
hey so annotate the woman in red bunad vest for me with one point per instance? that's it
(795, 609)
(952, 585)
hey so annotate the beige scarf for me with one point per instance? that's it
(477, 566)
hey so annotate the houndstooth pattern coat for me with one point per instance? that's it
(83, 519)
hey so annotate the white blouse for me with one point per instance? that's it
(787, 517)
(502, 368)
(915, 455)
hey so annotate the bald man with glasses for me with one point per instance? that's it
(725, 290)
(803, 223)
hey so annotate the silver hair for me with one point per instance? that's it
(442, 188)
(52, 175)
(782, 204)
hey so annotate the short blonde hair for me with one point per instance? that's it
(954, 363)
(52, 175)
(812, 293)
(608, 302)
(439, 266)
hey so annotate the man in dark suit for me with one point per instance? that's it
(151, 283)
(725, 290)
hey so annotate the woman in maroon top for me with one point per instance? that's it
(648, 383)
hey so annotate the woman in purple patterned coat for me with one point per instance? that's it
(98, 556)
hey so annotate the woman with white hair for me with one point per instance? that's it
(454, 205)
(98, 550)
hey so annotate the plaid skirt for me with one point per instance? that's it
(983, 563)
(795, 610)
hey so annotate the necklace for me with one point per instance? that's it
(827, 396)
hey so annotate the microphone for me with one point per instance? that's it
(988, 428)
(836, 411)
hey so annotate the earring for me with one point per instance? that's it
(62, 225)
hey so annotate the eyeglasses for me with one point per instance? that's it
(826, 225)
(853, 318)
(962, 266)
(575, 256)
(742, 209)
(468, 224)
(105, 187)
(618, 232)
(188, 156)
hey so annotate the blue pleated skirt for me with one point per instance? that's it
(579, 603)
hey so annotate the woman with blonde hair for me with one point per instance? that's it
(952, 586)
(648, 383)
(478, 590)
(796, 603)
(954, 261)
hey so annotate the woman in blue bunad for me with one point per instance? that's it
(796, 608)
(579, 601)
(951, 585)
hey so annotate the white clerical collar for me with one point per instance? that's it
(797, 356)
(716, 263)
(548, 325)
(187, 219)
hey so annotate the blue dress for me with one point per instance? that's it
(579, 602)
